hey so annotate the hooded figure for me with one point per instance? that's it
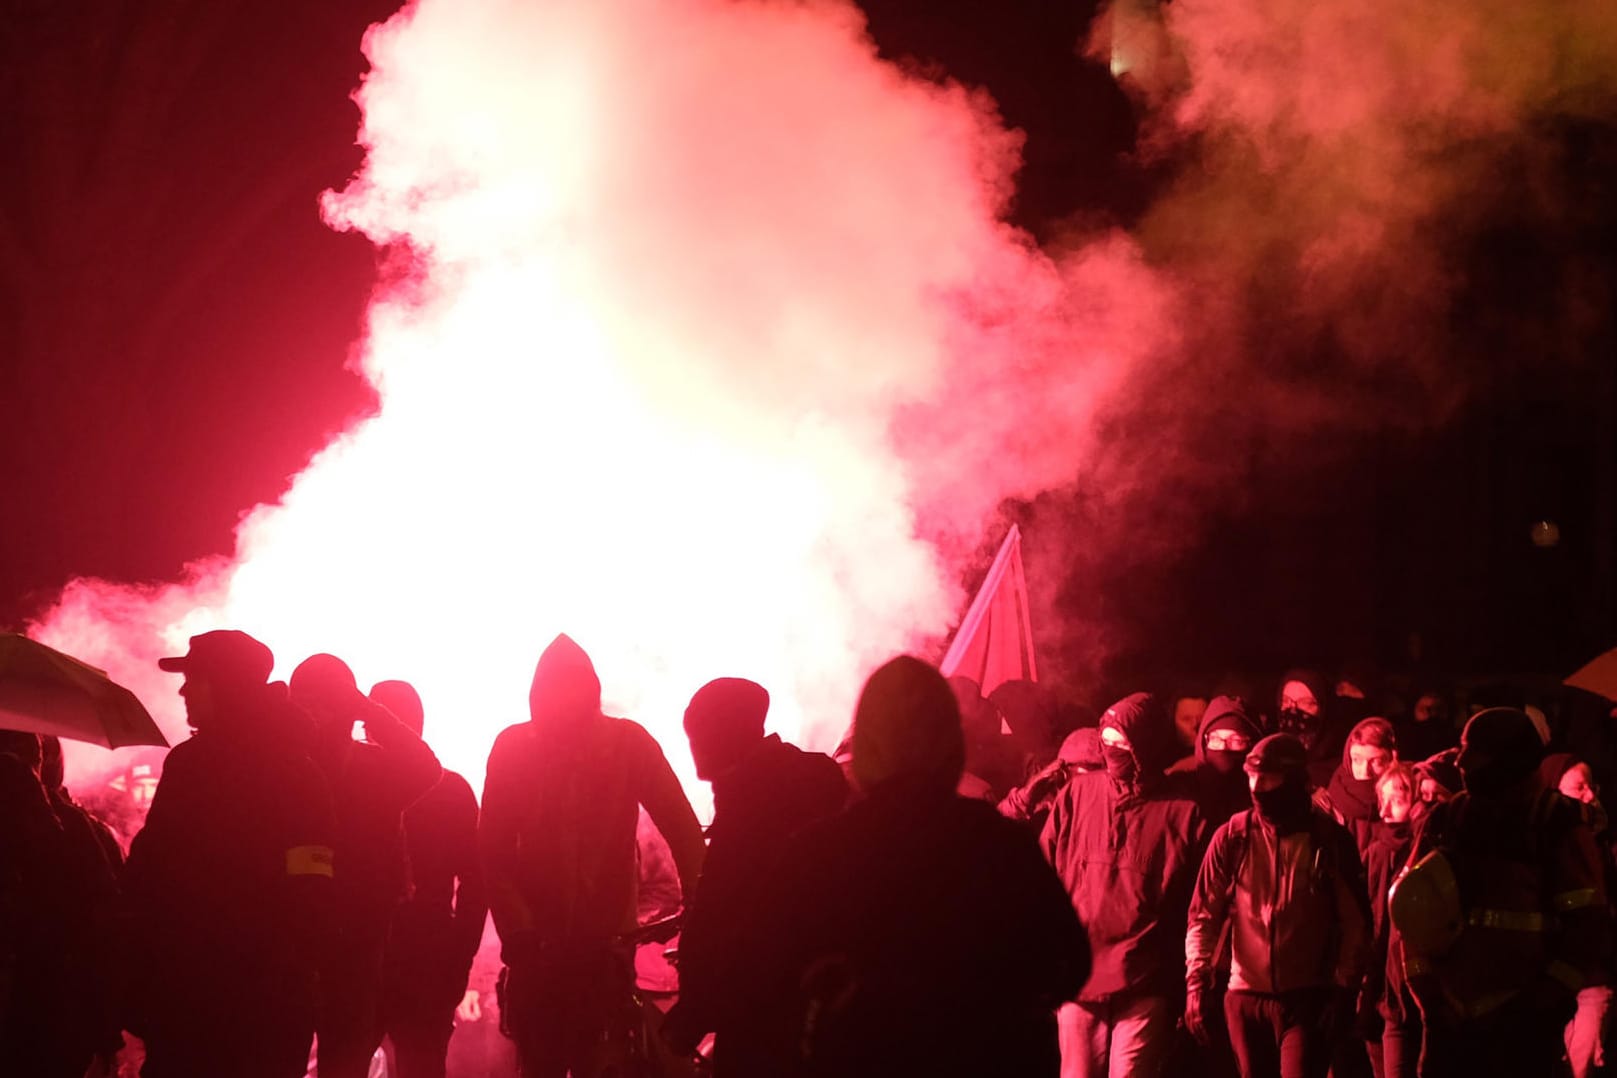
(917, 932)
(1127, 842)
(561, 805)
(1351, 794)
(1227, 733)
(1306, 709)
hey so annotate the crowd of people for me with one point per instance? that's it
(1321, 881)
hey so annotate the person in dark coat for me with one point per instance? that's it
(918, 932)
(90, 905)
(764, 791)
(1283, 889)
(436, 931)
(1350, 796)
(228, 887)
(372, 782)
(1527, 885)
(1389, 1019)
(1227, 733)
(1032, 801)
(561, 805)
(1127, 842)
(1306, 709)
(40, 1009)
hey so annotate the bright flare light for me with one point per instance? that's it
(677, 269)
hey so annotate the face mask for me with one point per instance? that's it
(1121, 765)
(1301, 725)
(1225, 761)
(1286, 806)
(1487, 778)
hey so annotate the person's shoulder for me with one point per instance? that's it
(1178, 787)
(513, 738)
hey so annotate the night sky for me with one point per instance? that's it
(176, 321)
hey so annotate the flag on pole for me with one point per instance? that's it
(994, 643)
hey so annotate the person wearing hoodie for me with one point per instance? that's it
(918, 932)
(1305, 709)
(1127, 842)
(561, 803)
(1283, 884)
(1523, 923)
(764, 791)
(1350, 796)
(1227, 733)
(1031, 802)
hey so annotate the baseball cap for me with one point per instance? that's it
(225, 655)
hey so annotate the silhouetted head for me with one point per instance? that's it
(1277, 774)
(1499, 749)
(565, 690)
(52, 770)
(979, 719)
(401, 699)
(907, 729)
(224, 669)
(24, 746)
(26, 818)
(725, 720)
(324, 687)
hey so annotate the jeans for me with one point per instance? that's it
(1125, 1037)
(1586, 1033)
(1279, 1036)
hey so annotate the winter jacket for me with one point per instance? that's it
(1294, 906)
(775, 792)
(1128, 856)
(1533, 892)
(557, 831)
(920, 933)
(1384, 982)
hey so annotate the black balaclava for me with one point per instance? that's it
(1140, 718)
(1499, 748)
(1228, 713)
(1286, 807)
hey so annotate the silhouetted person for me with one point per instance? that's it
(1127, 842)
(372, 782)
(437, 929)
(919, 932)
(89, 906)
(41, 1012)
(557, 836)
(228, 885)
(1520, 871)
(764, 790)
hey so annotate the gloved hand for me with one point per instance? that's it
(1197, 1005)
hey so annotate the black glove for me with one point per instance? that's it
(1197, 1005)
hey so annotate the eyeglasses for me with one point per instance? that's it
(1228, 741)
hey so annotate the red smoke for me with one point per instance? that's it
(714, 352)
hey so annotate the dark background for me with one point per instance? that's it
(175, 321)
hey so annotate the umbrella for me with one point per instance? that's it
(1599, 676)
(43, 691)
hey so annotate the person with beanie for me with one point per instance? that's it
(561, 804)
(1531, 923)
(1127, 841)
(764, 791)
(1283, 883)
(1031, 802)
(918, 932)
